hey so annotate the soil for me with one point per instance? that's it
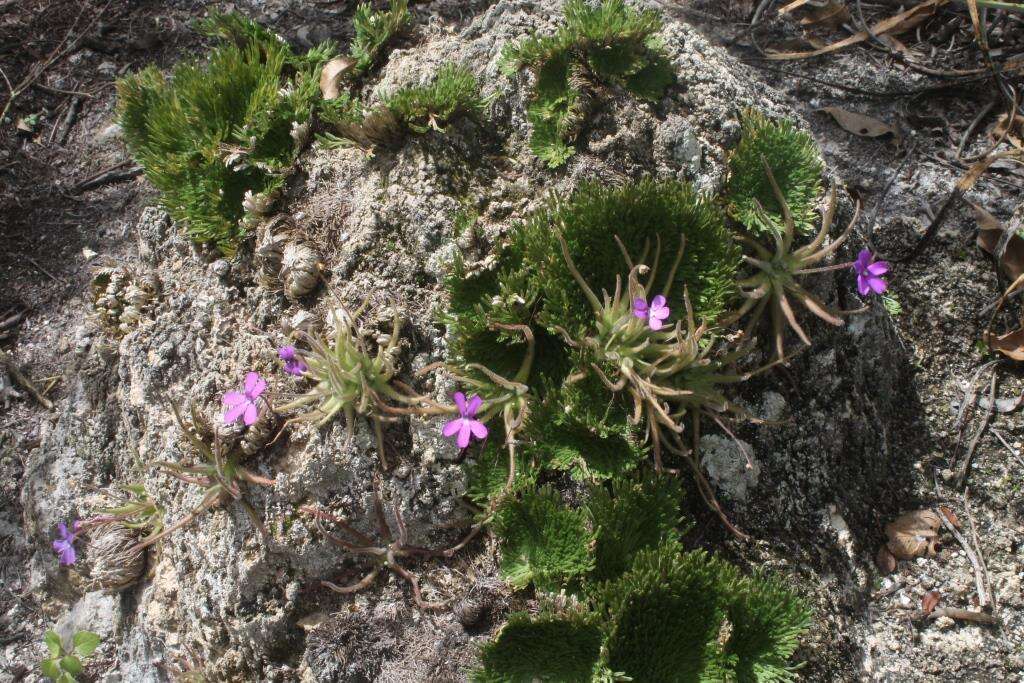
(825, 533)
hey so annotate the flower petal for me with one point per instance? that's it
(658, 301)
(452, 427)
(862, 285)
(878, 268)
(235, 412)
(474, 405)
(68, 555)
(252, 413)
(460, 402)
(478, 428)
(462, 440)
(660, 313)
(286, 352)
(254, 385)
(654, 324)
(639, 308)
(62, 529)
(233, 398)
(877, 284)
(60, 545)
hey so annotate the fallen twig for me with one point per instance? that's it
(24, 382)
(977, 550)
(110, 175)
(44, 271)
(63, 49)
(963, 615)
(69, 120)
(969, 453)
(978, 575)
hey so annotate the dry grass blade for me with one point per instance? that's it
(898, 23)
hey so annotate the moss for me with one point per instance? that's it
(546, 647)
(216, 130)
(374, 31)
(795, 163)
(611, 44)
(631, 515)
(454, 92)
(543, 542)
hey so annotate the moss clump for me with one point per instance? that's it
(454, 92)
(794, 162)
(543, 542)
(217, 130)
(610, 44)
(374, 31)
(672, 616)
(630, 515)
(546, 647)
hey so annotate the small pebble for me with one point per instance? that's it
(220, 268)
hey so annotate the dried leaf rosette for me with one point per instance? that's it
(122, 297)
(286, 259)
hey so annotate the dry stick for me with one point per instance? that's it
(977, 550)
(43, 270)
(69, 120)
(971, 128)
(964, 614)
(965, 465)
(978, 578)
(23, 381)
(110, 175)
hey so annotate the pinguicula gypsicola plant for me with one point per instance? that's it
(110, 557)
(221, 449)
(610, 44)
(218, 138)
(414, 110)
(778, 268)
(388, 551)
(606, 350)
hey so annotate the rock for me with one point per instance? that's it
(730, 465)
(109, 133)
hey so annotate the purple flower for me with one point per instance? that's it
(654, 314)
(465, 426)
(293, 364)
(64, 546)
(243, 405)
(869, 273)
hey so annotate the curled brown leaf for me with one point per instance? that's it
(331, 75)
(914, 534)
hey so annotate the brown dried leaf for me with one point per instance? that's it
(950, 516)
(913, 534)
(1010, 344)
(331, 75)
(830, 15)
(1011, 130)
(929, 600)
(859, 124)
(990, 232)
(884, 560)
